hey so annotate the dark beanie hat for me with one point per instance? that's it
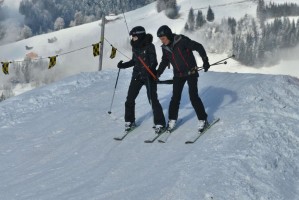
(138, 31)
(165, 31)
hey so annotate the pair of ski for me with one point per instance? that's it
(163, 137)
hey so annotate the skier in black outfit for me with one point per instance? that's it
(144, 49)
(177, 50)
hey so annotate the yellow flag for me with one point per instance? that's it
(96, 49)
(52, 62)
(113, 52)
(5, 66)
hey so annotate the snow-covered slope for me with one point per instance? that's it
(56, 142)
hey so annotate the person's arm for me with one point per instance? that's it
(196, 46)
(163, 64)
(123, 65)
(152, 56)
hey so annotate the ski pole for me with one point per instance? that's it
(109, 112)
(220, 62)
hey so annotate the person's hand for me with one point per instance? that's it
(206, 66)
(120, 65)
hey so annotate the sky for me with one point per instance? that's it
(56, 141)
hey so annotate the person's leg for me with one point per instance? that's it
(195, 99)
(177, 88)
(159, 118)
(133, 91)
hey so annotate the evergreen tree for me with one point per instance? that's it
(210, 15)
(1, 12)
(161, 5)
(232, 23)
(171, 9)
(191, 19)
(186, 27)
(200, 20)
(261, 12)
(2, 30)
(292, 35)
(2, 97)
(26, 32)
(59, 23)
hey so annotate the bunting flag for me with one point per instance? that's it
(96, 49)
(52, 62)
(5, 66)
(113, 52)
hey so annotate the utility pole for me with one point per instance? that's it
(102, 43)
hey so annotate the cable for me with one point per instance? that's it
(117, 49)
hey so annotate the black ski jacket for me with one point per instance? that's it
(147, 52)
(179, 54)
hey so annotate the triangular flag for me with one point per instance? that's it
(52, 62)
(96, 49)
(113, 52)
(5, 66)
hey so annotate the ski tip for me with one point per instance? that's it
(148, 141)
(117, 139)
(161, 141)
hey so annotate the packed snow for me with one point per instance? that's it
(56, 141)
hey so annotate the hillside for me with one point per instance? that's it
(85, 35)
(56, 142)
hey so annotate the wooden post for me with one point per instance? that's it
(102, 43)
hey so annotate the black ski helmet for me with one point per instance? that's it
(138, 31)
(165, 31)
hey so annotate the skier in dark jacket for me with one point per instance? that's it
(177, 50)
(144, 52)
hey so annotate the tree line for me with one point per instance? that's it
(255, 41)
(45, 16)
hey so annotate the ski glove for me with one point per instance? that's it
(206, 64)
(120, 65)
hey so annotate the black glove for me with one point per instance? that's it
(206, 64)
(120, 65)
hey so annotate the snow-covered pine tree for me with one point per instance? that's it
(232, 23)
(25, 32)
(2, 30)
(191, 19)
(261, 12)
(200, 20)
(59, 23)
(186, 27)
(171, 9)
(210, 15)
(161, 5)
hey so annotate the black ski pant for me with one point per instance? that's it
(151, 87)
(178, 85)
